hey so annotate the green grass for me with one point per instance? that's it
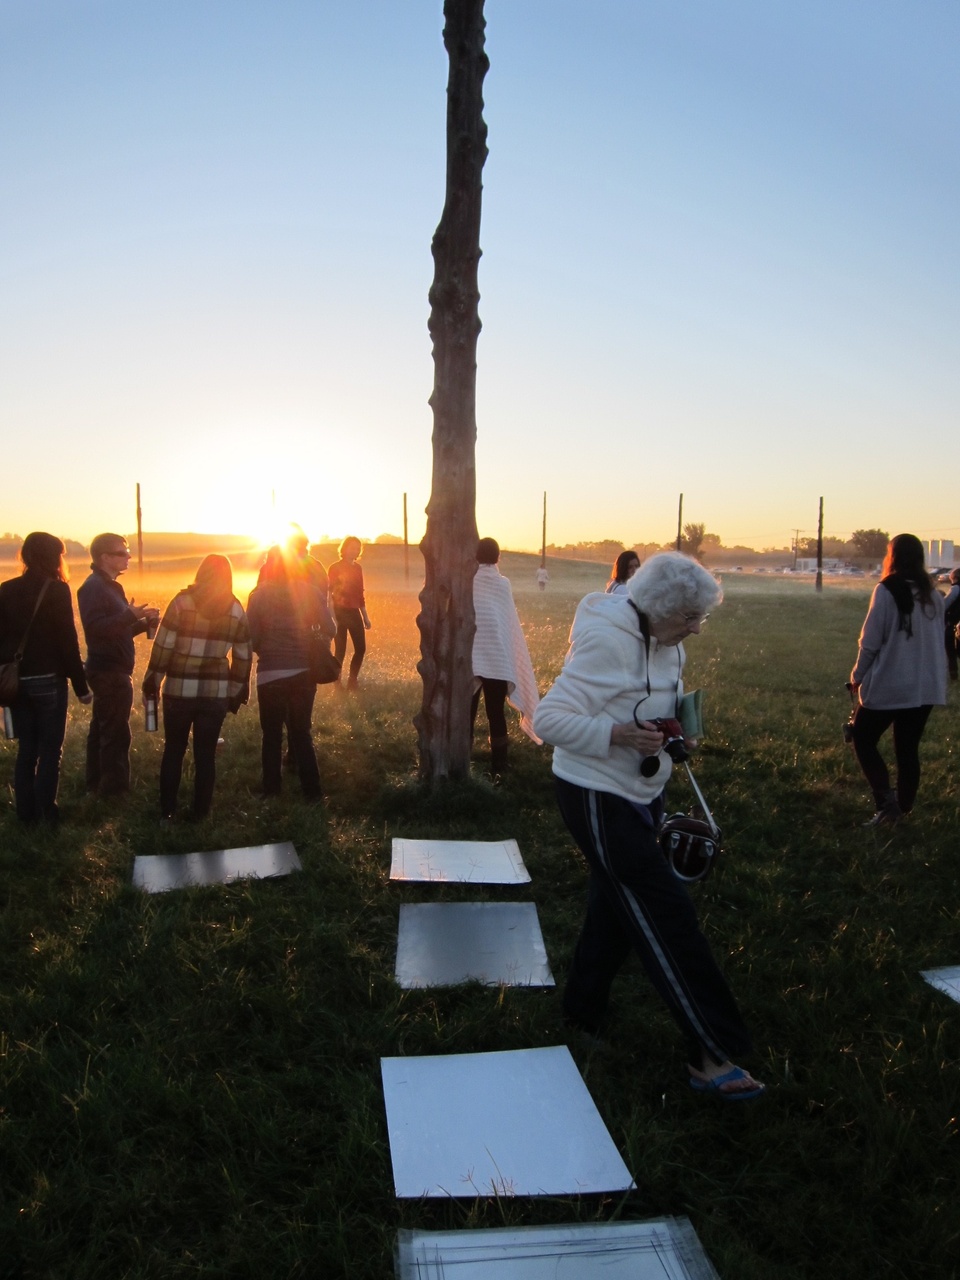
(189, 1084)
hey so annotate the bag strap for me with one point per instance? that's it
(23, 639)
(703, 804)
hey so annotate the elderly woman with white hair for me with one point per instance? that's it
(624, 670)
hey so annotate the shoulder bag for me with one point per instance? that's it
(10, 671)
(324, 667)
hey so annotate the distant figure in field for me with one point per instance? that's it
(349, 606)
(951, 618)
(624, 670)
(109, 624)
(51, 656)
(301, 563)
(201, 625)
(900, 674)
(501, 661)
(283, 608)
(624, 567)
(542, 578)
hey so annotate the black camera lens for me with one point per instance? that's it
(676, 750)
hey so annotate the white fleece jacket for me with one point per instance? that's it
(604, 676)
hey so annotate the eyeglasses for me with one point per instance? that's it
(690, 618)
(124, 551)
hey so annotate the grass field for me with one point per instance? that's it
(189, 1084)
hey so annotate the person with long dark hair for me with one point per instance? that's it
(51, 657)
(283, 609)
(201, 625)
(624, 567)
(899, 676)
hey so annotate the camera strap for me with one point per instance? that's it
(702, 803)
(645, 637)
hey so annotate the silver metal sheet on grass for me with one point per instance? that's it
(443, 943)
(946, 980)
(477, 861)
(667, 1249)
(157, 873)
(516, 1123)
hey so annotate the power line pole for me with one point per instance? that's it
(819, 586)
(680, 524)
(543, 539)
(139, 534)
(406, 544)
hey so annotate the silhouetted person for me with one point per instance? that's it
(51, 656)
(349, 607)
(110, 623)
(201, 625)
(501, 661)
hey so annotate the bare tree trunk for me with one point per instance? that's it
(446, 618)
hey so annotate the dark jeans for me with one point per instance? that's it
(869, 725)
(950, 644)
(494, 703)
(205, 716)
(288, 701)
(108, 742)
(40, 722)
(635, 901)
(350, 622)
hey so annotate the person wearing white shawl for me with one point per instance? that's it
(502, 669)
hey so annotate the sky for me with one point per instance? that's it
(720, 258)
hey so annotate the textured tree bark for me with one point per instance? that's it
(446, 618)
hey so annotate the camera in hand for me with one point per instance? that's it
(673, 745)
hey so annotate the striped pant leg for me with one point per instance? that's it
(637, 888)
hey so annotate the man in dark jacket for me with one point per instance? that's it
(109, 624)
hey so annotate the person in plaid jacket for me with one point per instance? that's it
(200, 685)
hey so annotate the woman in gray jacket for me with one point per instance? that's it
(899, 676)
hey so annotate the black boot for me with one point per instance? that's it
(498, 755)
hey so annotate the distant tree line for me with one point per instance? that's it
(10, 544)
(863, 544)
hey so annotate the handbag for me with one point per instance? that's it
(690, 844)
(324, 667)
(10, 671)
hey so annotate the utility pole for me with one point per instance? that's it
(406, 544)
(680, 524)
(819, 586)
(543, 539)
(796, 546)
(139, 534)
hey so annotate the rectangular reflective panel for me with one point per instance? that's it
(519, 1123)
(443, 943)
(946, 980)
(667, 1249)
(478, 861)
(158, 873)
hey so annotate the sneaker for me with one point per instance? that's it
(888, 816)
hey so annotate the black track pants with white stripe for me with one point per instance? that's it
(636, 901)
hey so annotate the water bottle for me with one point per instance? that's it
(150, 713)
(8, 731)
